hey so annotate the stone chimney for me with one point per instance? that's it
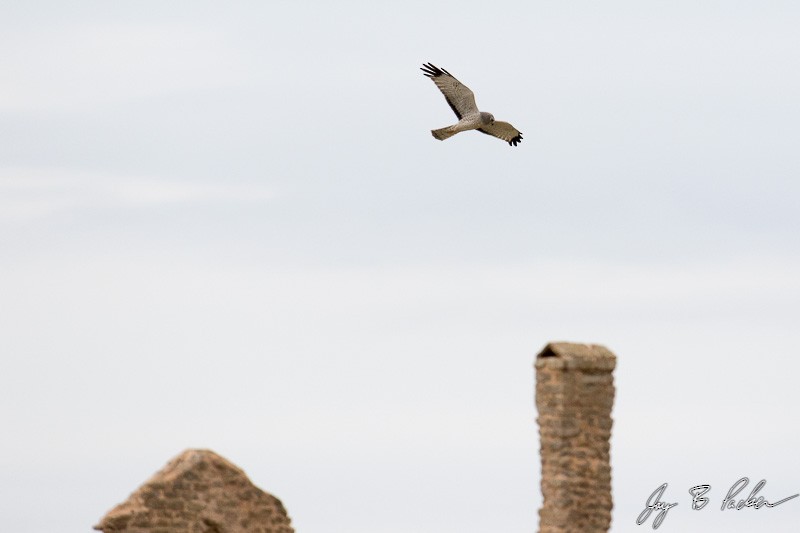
(574, 397)
(198, 492)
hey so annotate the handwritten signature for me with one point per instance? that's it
(654, 504)
(697, 492)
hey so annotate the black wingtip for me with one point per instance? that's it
(432, 71)
(515, 140)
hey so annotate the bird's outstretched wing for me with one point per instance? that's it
(503, 130)
(458, 95)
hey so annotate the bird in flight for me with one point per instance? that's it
(462, 101)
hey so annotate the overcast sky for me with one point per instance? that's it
(227, 226)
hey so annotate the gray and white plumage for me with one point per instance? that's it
(462, 101)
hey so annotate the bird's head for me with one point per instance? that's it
(487, 118)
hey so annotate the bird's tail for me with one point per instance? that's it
(443, 133)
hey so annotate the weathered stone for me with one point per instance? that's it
(198, 492)
(574, 397)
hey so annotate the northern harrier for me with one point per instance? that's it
(462, 102)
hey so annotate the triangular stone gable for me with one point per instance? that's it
(198, 492)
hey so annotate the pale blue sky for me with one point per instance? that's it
(228, 226)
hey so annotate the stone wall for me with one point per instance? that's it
(574, 397)
(198, 492)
